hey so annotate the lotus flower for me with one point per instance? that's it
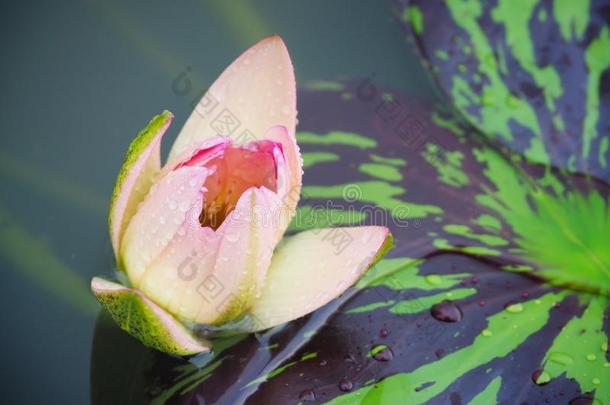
(196, 240)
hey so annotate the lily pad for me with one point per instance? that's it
(471, 305)
(531, 75)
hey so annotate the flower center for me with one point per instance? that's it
(237, 170)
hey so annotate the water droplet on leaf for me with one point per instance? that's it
(434, 279)
(345, 385)
(382, 353)
(515, 308)
(307, 395)
(541, 377)
(446, 311)
(561, 358)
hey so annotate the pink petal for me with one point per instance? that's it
(145, 320)
(254, 93)
(212, 278)
(174, 202)
(289, 169)
(314, 267)
(141, 164)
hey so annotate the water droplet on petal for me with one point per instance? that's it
(446, 311)
(232, 237)
(184, 206)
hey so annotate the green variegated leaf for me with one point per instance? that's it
(530, 74)
(500, 269)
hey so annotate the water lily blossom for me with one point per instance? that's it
(200, 241)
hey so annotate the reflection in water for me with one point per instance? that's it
(121, 367)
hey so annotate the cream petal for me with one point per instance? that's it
(256, 92)
(311, 268)
(174, 202)
(213, 277)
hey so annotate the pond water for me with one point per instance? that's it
(79, 80)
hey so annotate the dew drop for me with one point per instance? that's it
(604, 347)
(583, 400)
(446, 311)
(591, 357)
(183, 206)
(541, 377)
(561, 358)
(487, 333)
(434, 279)
(232, 237)
(382, 353)
(346, 385)
(515, 308)
(596, 381)
(307, 395)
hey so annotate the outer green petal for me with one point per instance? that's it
(142, 162)
(145, 320)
